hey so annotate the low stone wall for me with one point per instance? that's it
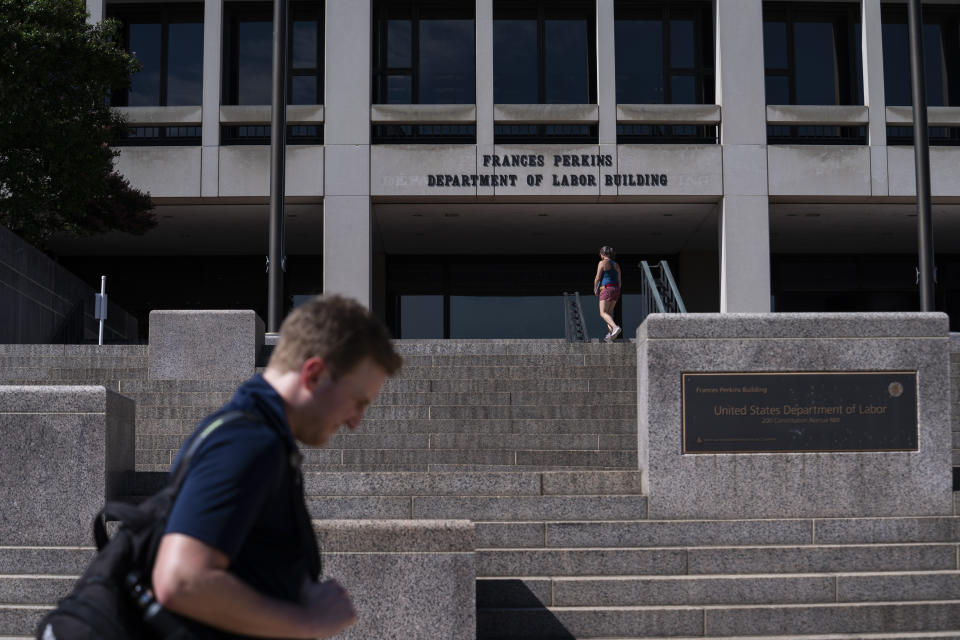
(41, 302)
(955, 395)
(410, 579)
(790, 483)
(65, 451)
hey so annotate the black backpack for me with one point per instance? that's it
(112, 600)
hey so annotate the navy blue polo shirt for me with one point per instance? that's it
(239, 495)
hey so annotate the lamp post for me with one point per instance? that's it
(276, 260)
(921, 152)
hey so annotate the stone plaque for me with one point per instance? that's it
(808, 412)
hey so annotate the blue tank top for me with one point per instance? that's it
(610, 277)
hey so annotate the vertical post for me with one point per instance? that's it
(102, 311)
(278, 138)
(921, 153)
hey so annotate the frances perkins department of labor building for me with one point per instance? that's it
(456, 164)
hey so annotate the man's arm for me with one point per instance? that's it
(191, 578)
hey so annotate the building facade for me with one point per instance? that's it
(457, 164)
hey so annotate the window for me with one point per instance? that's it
(664, 53)
(941, 56)
(812, 54)
(138, 136)
(423, 52)
(168, 43)
(544, 52)
(259, 134)
(423, 134)
(248, 53)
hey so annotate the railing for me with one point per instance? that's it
(659, 293)
(575, 324)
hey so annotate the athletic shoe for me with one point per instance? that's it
(615, 333)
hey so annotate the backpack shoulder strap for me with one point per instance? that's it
(183, 466)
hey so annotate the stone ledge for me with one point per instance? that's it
(757, 326)
(53, 399)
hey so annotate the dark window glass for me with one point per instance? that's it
(399, 90)
(185, 64)
(480, 317)
(941, 54)
(775, 45)
(423, 52)
(815, 64)
(161, 136)
(423, 134)
(447, 68)
(664, 53)
(515, 62)
(399, 44)
(254, 62)
(543, 52)
(259, 134)
(145, 45)
(248, 53)
(168, 43)
(666, 134)
(812, 53)
(567, 62)
(421, 317)
(681, 43)
(639, 45)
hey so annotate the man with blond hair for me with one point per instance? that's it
(234, 559)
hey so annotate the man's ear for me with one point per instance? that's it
(312, 372)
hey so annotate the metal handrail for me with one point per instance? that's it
(575, 324)
(659, 294)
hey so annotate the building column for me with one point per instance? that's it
(871, 41)
(744, 212)
(347, 253)
(484, 49)
(212, 66)
(606, 72)
(96, 10)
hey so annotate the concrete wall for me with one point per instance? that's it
(41, 302)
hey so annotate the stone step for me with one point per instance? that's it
(509, 347)
(484, 412)
(675, 533)
(423, 385)
(498, 457)
(634, 561)
(622, 358)
(714, 590)
(907, 635)
(18, 619)
(179, 386)
(549, 507)
(717, 621)
(518, 426)
(34, 589)
(518, 372)
(517, 397)
(61, 561)
(593, 483)
(445, 468)
(466, 441)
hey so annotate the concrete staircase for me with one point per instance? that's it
(535, 441)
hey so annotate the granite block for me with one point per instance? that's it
(592, 483)
(532, 508)
(510, 535)
(593, 459)
(428, 456)
(204, 344)
(421, 484)
(359, 507)
(40, 590)
(581, 396)
(899, 586)
(772, 485)
(353, 440)
(379, 583)
(691, 590)
(436, 426)
(576, 442)
(832, 619)
(666, 533)
(580, 562)
(820, 559)
(33, 560)
(387, 398)
(871, 530)
(86, 438)
(19, 619)
(389, 536)
(755, 326)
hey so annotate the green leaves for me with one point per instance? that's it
(56, 126)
